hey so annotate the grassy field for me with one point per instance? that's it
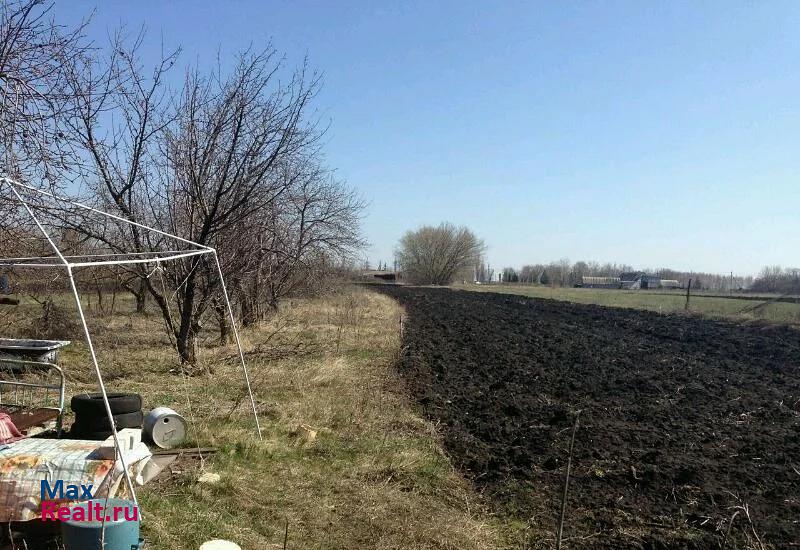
(656, 300)
(374, 477)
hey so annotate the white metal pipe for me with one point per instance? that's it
(118, 218)
(88, 342)
(140, 260)
(103, 255)
(110, 415)
(14, 264)
(108, 262)
(36, 221)
(238, 343)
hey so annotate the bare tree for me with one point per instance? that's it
(316, 224)
(231, 162)
(435, 255)
(35, 54)
(118, 110)
(294, 243)
(222, 154)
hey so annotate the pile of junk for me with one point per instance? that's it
(41, 462)
(81, 477)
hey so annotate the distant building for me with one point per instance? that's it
(631, 280)
(600, 282)
(639, 280)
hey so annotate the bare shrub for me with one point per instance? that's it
(54, 323)
(436, 255)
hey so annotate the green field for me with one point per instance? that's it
(658, 300)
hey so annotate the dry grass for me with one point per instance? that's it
(375, 477)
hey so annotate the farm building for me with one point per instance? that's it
(600, 282)
(636, 280)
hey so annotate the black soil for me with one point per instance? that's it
(683, 420)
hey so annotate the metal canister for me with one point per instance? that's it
(165, 427)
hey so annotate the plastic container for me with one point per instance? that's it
(218, 544)
(120, 533)
(165, 427)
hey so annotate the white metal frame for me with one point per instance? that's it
(66, 262)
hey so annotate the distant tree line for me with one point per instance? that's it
(777, 279)
(564, 273)
(441, 255)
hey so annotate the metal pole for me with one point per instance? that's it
(13, 183)
(238, 343)
(128, 481)
(688, 291)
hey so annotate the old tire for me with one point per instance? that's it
(100, 423)
(91, 404)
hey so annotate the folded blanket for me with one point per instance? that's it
(8, 431)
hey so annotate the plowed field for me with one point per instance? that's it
(685, 423)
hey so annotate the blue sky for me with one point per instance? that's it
(655, 134)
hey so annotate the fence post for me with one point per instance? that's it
(688, 289)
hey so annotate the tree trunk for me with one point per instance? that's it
(185, 337)
(141, 297)
(273, 301)
(224, 324)
(187, 346)
(247, 305)
(99, 297)
(248, 313)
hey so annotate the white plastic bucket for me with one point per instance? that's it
(218, 544)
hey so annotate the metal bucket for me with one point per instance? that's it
(120, 533)
(165, 427)
(43, 351)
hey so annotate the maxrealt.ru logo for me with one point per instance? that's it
(52, 510)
